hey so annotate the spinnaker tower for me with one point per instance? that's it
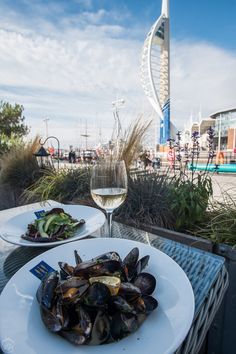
(155, 70)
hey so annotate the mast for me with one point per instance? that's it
(86, 135)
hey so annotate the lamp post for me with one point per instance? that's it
(219, 135)
(42, 154)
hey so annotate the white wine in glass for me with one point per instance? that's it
(109, 187)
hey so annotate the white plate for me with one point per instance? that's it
(22, 330)
(16, 226)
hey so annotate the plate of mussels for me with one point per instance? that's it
(52, 226)
(97, 296)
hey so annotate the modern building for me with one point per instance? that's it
(224, 125)
(155, 70)
(225, 129)
(201, 127)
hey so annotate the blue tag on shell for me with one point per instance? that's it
(39, 214)
(41, 269)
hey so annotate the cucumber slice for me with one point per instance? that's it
(40, 228)
(49, 220)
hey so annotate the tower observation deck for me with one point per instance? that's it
(155, 70)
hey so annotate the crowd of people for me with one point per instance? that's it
(147, 161)
(88, 157)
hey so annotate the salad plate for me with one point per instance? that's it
(162, 332)
(12, 230)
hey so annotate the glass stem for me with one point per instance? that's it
(109, 222)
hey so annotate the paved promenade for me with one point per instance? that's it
(226, 183)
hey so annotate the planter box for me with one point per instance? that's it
(10, 198)
(222, 338)
(189, 240)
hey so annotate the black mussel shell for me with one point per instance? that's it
(81, 327)
(129, 263)
(97, 268)
(142, 263)
(46, 291)
(56, 318)
(122, 324)
(145, 304)
(72, 289)
(78, 259)
(150, 303)
(119, 304)
(129, 291)
(74, 336)
(146, 282)
(114, 256)
(66, 270)
(98, 295)
(84, 320)
(101, 329)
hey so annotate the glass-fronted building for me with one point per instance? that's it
(225, 129)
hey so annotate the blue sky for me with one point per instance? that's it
(67, 60)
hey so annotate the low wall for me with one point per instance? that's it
(9, 198)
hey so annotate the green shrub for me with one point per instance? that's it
(189, 199)
(19, 168)
(219, 224)
(63, 185)
(147, 202)
(170, 202)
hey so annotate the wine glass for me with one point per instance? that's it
(108, 186)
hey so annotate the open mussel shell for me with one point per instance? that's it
(78, 259)
(114, 256)
(46, 290)
(145, 304)
(98, 295)
(80, 329)
(141, 264)
(146, 282)
(72, 289)
(71, 282)
(118, 303)
(84, 320)
(131, 258)
(66, 270)
(56, 318)
(129, 263)
(74, 336)
(150, 303)
(97, 268)
(131, 273)
(122, 324)
(129, 291)
(101, 329)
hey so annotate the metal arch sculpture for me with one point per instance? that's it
(155, 68)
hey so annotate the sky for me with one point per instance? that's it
(68, 60)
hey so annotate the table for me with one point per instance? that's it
(205, 271)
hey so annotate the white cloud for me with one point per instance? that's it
(202, 76)
(69, 79)
(74, 73)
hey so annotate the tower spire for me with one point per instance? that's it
(165, 8)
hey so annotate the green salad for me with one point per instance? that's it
(53, 225)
